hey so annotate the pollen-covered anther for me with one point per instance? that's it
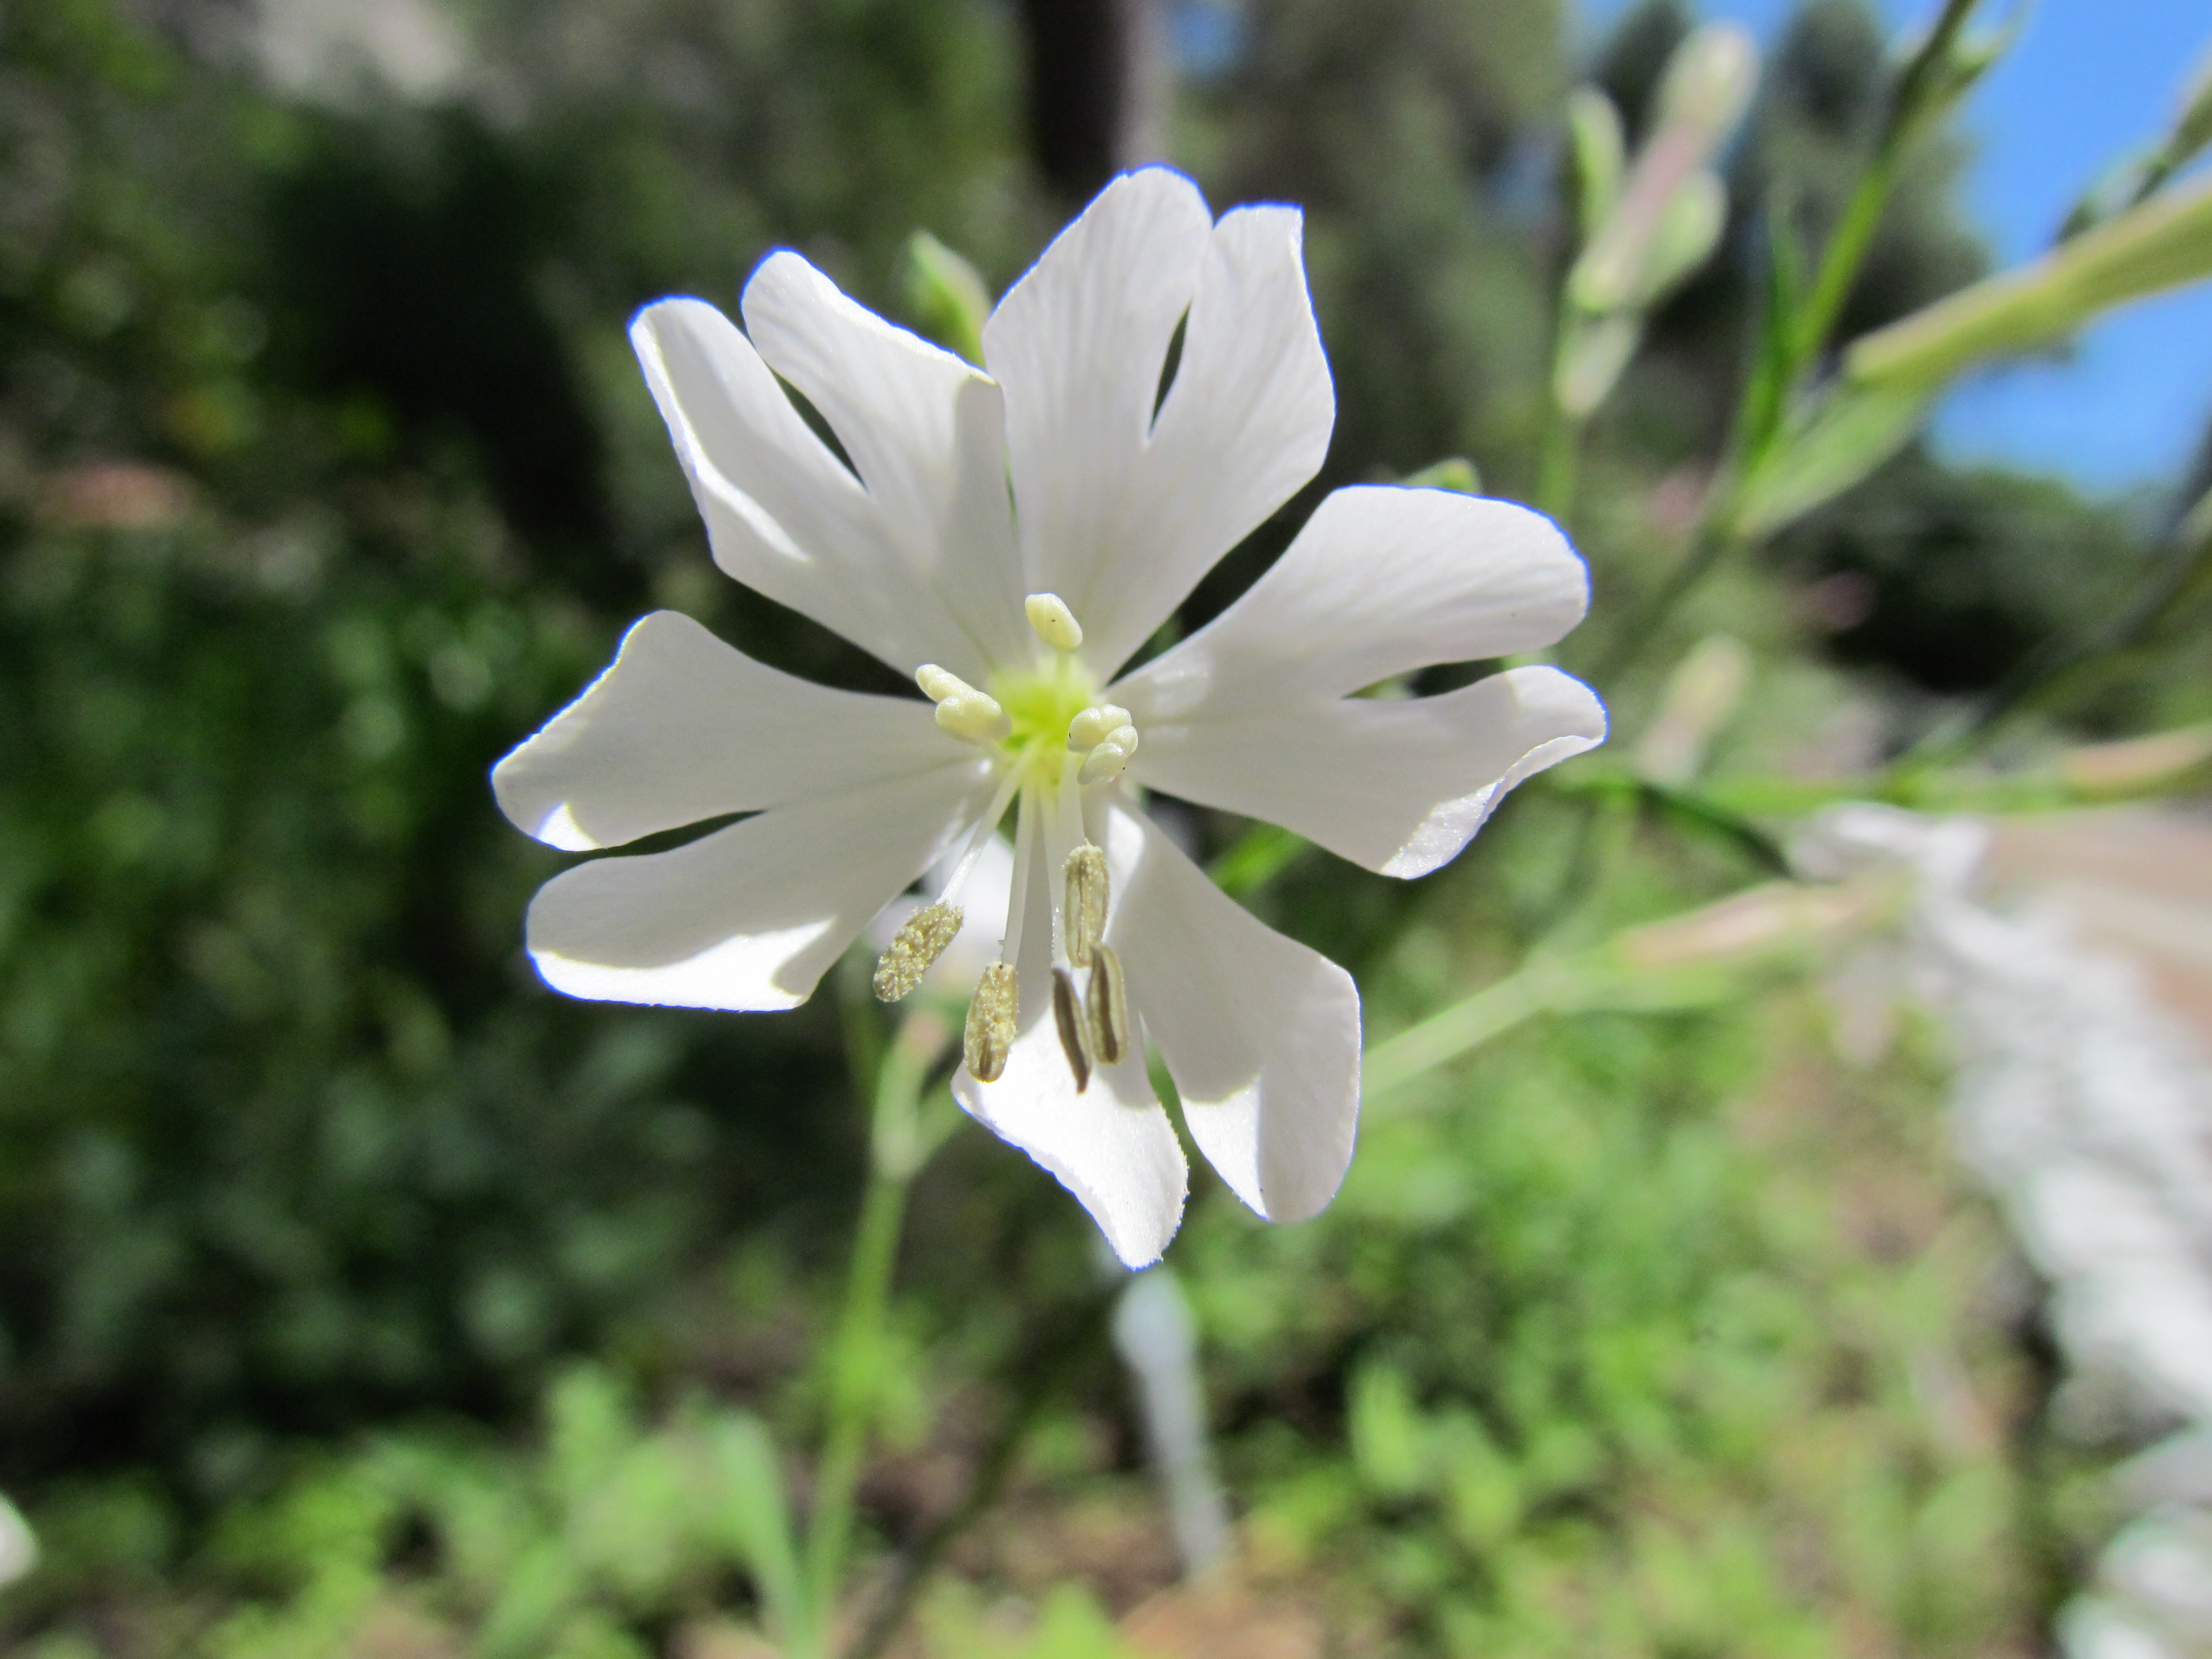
(993, 1012)
(961, 709)
(916, 945)
(1055, 623)
(1112, 753)
(1083, 916)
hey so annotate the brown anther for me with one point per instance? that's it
(1083, 916)
(1107, 1004)
(1068, 1015)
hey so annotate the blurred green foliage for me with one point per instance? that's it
(326, 475)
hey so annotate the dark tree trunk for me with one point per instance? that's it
(1096, 74)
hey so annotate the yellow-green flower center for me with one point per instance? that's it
(1040, 704)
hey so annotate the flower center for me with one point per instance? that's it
(1040, 704)
(1049, 738)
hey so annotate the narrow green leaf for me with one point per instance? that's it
(744, 1471)
(1829, 445)
(2162, 244)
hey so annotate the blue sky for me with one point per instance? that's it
(2088, 79)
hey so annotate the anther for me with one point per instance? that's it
(1068, 1015)
(920, 943)
(1107, 1003)
(1111, 755)
(1083, 917)
(1055, 623)
(992, 1014)
(961, 709)
(1089, 729)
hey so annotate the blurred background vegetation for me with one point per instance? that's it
(359, 1296)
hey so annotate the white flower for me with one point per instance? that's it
(1016, 617)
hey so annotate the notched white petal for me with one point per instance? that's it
(748, 917)
(682, 727)
(784, 515)
(1260, 1033)
(1110, 1144)
(1398, 786)
(1383, 580)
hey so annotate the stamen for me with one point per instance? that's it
(1111, 755)
(993, 1012)
(986, 827)
(961, 709)
(920, 943)
(1084, 918)
(1107, 1004)
(1055, 623)
(1090, 729)
(1068, 1015)
(1018, 899)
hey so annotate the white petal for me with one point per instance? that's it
(1381, 580)
(1078, 344)
(1260, 1033)
(750, 916)
(682, 727)
(1112, 1144)
(926, 431)
(783, 515)
(1245, 425)
(1399, 787)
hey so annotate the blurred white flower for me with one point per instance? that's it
(1016, 617)
(2089, 1117)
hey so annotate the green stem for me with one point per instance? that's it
(1464, 1025)
(898, 1147)
(1558, 465)
(1051, 1355)
(1788, 353)
(1839, 266)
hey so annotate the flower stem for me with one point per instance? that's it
(1558, 464)
(1790, 349)
(898, 1147)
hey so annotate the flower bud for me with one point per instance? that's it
(1708, 82)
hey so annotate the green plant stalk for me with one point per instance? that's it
(1787, 352)
(2164, 244)
(1846, 253)
(1490, 1012)
(1558, 446)
(1558, 464)
(1051, 1355)
(896, 1149)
